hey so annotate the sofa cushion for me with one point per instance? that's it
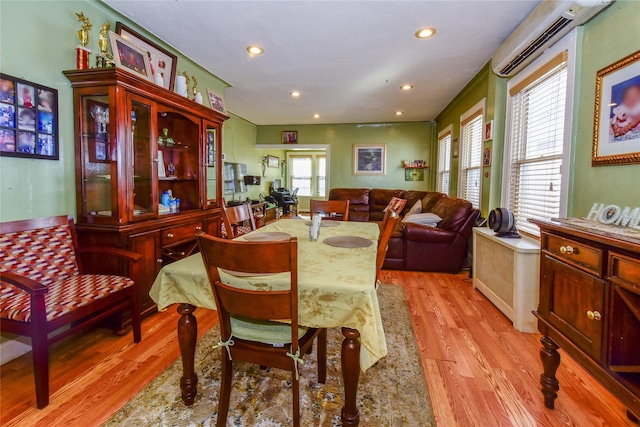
(412, 196)
(358, 201)
(379, 200)
(415, 209)
(454, 212)
(426, 218)
(430, 200)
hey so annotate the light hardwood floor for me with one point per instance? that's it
(480, 371)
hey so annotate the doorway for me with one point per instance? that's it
(307, 171)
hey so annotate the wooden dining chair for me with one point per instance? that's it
(330, 207)
(388, 225)
(248, 332)
(237, 220)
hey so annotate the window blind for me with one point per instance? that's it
(444, 163)
(301, 174)
(537, 138)
(471, 159)
(322, 176)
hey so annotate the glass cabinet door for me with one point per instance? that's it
(211, 169)
(98, 166)
(141, 134)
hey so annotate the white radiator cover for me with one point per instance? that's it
(507, 272)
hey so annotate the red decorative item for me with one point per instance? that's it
(82, 58)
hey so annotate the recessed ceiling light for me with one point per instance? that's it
(295, 94)
(255, 50)
(399, 113)
(424, 33)
(316, 116)
(406, 87)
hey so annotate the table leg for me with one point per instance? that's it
(187, 335)
(550, 361)
(350, 373)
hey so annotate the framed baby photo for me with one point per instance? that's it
(130, 57)
(616, 132)
(28, 119)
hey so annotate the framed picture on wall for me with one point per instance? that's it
(217, 102)
(616, 132)
(161, 61)
(488, 130)
(369, 159)
(130, 57)
(454, 148)
(28, 119)
(273, 162)
(289, 137)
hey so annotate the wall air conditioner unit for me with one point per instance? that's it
(549, 22)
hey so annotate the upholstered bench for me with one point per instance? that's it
(44, 287)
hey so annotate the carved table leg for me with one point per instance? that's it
(550, 361)
(350, 373)
(187, 335)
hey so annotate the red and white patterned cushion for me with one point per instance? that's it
(45, 255)
(63, 296)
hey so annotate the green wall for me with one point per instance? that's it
(37, 42)
(607, 38)
(405, 141)
(601, 42)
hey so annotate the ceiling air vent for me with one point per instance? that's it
(548, 23)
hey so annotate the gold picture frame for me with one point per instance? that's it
(616, 128)
(130, 57)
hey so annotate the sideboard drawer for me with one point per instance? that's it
(624, 270)
(577, 254)
(181, 233)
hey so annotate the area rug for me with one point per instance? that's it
(391, 393)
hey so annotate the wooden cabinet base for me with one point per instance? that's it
(590, 307)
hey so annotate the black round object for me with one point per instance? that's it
(501, 221)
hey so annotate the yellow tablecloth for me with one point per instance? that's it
(336, 285)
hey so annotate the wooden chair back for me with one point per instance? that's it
(328, 207)
(388, 225)
(235, 219)
(252, 258)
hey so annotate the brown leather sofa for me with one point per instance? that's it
(415, 246)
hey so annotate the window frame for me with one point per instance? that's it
(467, 117)
(442, 135)
(568, 44)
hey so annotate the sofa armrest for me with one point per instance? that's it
(132, 258)
(425, 233)
(24, 283)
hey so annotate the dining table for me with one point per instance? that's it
(336, 286)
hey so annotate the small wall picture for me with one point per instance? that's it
(273, 162)
(28, 119)
(130, 57)
(7, 91)
(488, 130)
(369, 159)
(414, 174)
(217, 103)
(486, 157)
(454, 148)
(290, 137)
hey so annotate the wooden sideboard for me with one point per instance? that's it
(590, 306)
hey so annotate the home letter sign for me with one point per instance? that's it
(612, 214)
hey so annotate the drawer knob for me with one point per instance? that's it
(566, 250)
(198, 227)
(159, 260)
(594, 315)
(170, 235)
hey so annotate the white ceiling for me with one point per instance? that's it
(347, 58)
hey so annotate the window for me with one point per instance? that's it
(301, 174)
(471, 124)
(536, 140)
(322, 176)
(444, 160)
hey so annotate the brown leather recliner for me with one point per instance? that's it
(414, 246)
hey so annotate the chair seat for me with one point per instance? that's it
(63, 296)
(272, 333)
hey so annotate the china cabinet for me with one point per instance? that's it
(148, 175)
(590, 306)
